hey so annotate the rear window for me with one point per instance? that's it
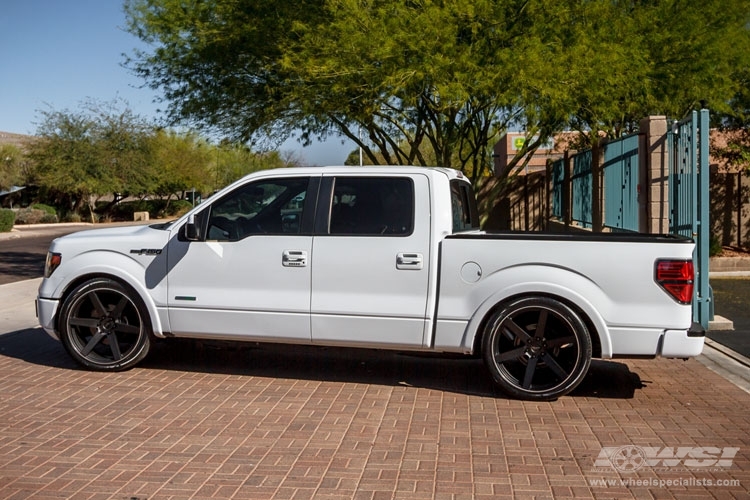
(464, 207)
(372, 206)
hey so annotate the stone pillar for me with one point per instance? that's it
(653, 176)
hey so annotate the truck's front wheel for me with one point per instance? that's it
(536, 348)
(104, 326)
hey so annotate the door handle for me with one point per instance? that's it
(409, 261)
(294, 258)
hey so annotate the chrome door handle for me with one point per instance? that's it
(294, 258)
(409, 261)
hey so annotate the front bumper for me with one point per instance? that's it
(46, 310)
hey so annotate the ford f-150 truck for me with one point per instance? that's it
(374, 257)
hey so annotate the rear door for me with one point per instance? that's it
(370, 261)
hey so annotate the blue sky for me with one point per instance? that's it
(59, 53)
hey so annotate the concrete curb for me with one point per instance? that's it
(730, 364)
(720, 324)
(20, 231)
(729, 264)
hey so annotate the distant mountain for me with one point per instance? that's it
(18, 140)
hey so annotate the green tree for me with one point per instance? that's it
(659, 58)
(183, 162)
(734, 146)
(12, 164)
(97, 150)
(436, 82)
(233, 161)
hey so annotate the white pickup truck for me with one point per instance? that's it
(374, 257)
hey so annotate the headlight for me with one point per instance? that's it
(53, 262)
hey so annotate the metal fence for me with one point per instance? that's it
(689, 199)
(595, 196)
(621, 177)
(582, 188)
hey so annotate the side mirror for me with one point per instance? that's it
(190, 229)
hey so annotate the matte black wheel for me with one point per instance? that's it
(536, 348)
(104, 326)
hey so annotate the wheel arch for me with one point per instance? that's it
(582, 295)
(123, 278)
(480, 331)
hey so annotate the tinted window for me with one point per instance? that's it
(463, 204)
(372, 206)
(272, 206)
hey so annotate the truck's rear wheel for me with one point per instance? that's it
(105, 326)
(536, 348)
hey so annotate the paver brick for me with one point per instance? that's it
(287, 422)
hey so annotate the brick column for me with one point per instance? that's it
(653, 182)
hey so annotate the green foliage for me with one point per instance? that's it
(71, 217)
(156, 208)
(184, 162)
(177, 208)
(97, 150)
(235, 161)
(7, 219)
(101, 150)
(732, 146)
(35, 216)
(45, 208)
(714, 246)
(11, 166)
(437, 82)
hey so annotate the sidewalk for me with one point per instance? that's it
(17, 311)
(281, 422)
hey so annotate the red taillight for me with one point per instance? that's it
(676, 277)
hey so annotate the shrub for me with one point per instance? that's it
(7, 219)
(34, 216)
(49, 219)
(177, 208)
(714, 246)
(72, 217)
(46, 208)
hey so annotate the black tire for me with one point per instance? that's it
(105, 326)
(536, 348)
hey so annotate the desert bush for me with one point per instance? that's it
(46, 208)
(176, 208)
(71, 217)
(34, 216)
(7, 219)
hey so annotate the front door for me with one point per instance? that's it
(249, 276)
(370, 271)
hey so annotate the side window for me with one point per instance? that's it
(463, 204)
(273, 206)
(372, 206)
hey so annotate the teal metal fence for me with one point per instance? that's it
(582, 188)
(689, 200)
(621, 184)
(688, 193)
(558, 181)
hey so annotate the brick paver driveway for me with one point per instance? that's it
(285, 422)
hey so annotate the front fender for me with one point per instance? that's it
(129, 270)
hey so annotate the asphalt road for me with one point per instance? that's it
(22, 258)
(732, 300)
